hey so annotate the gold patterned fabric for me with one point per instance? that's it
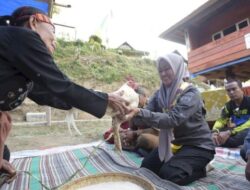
(214, 102)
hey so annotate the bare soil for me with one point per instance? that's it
(26, 136)
(41, 137)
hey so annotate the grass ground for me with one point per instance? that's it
(103, 69)
(40, 137)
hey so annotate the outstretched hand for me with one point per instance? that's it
(117, 103)
(132, 113)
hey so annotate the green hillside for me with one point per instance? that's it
(93, 66)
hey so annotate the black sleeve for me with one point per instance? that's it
(43, 97)
(30, 56)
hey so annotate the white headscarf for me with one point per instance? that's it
(167, 95)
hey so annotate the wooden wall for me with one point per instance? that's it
(201, 33)
(226, 49)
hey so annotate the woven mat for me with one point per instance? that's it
(55, 169)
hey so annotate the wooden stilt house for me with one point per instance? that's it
(217, 36)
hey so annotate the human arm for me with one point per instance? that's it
(223, 120)
(43, 97)
(242, 127)
(221, 137)
(218, 137)
(5, 127)
(152, 105)
(117, 103)
(29, 55)
(188, 104)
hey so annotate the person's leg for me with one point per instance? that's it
(6, 153)
(187, 165)
(7, 172)
(152, 162)
(247, 170)
(245, 154)
(243, 151)
(6, 156)
(147, 141)
(5, 127)
(142, 152)
(236, 140)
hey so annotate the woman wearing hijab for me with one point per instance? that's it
(185, 144)
(27, 69)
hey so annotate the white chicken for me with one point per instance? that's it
(132, 98)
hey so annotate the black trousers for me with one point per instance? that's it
(236, 140)
(186, 166)
(246, 147)
(6, 156)
(6, 153)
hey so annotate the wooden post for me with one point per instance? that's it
(50, 11)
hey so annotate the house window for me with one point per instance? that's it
(217, 36)
(239, 25)
(243, 24)
(229, 30)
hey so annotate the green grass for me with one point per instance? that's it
(81, 62)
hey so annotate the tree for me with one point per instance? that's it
(95, 38)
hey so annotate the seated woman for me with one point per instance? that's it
(144, 139)
(178, 115)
